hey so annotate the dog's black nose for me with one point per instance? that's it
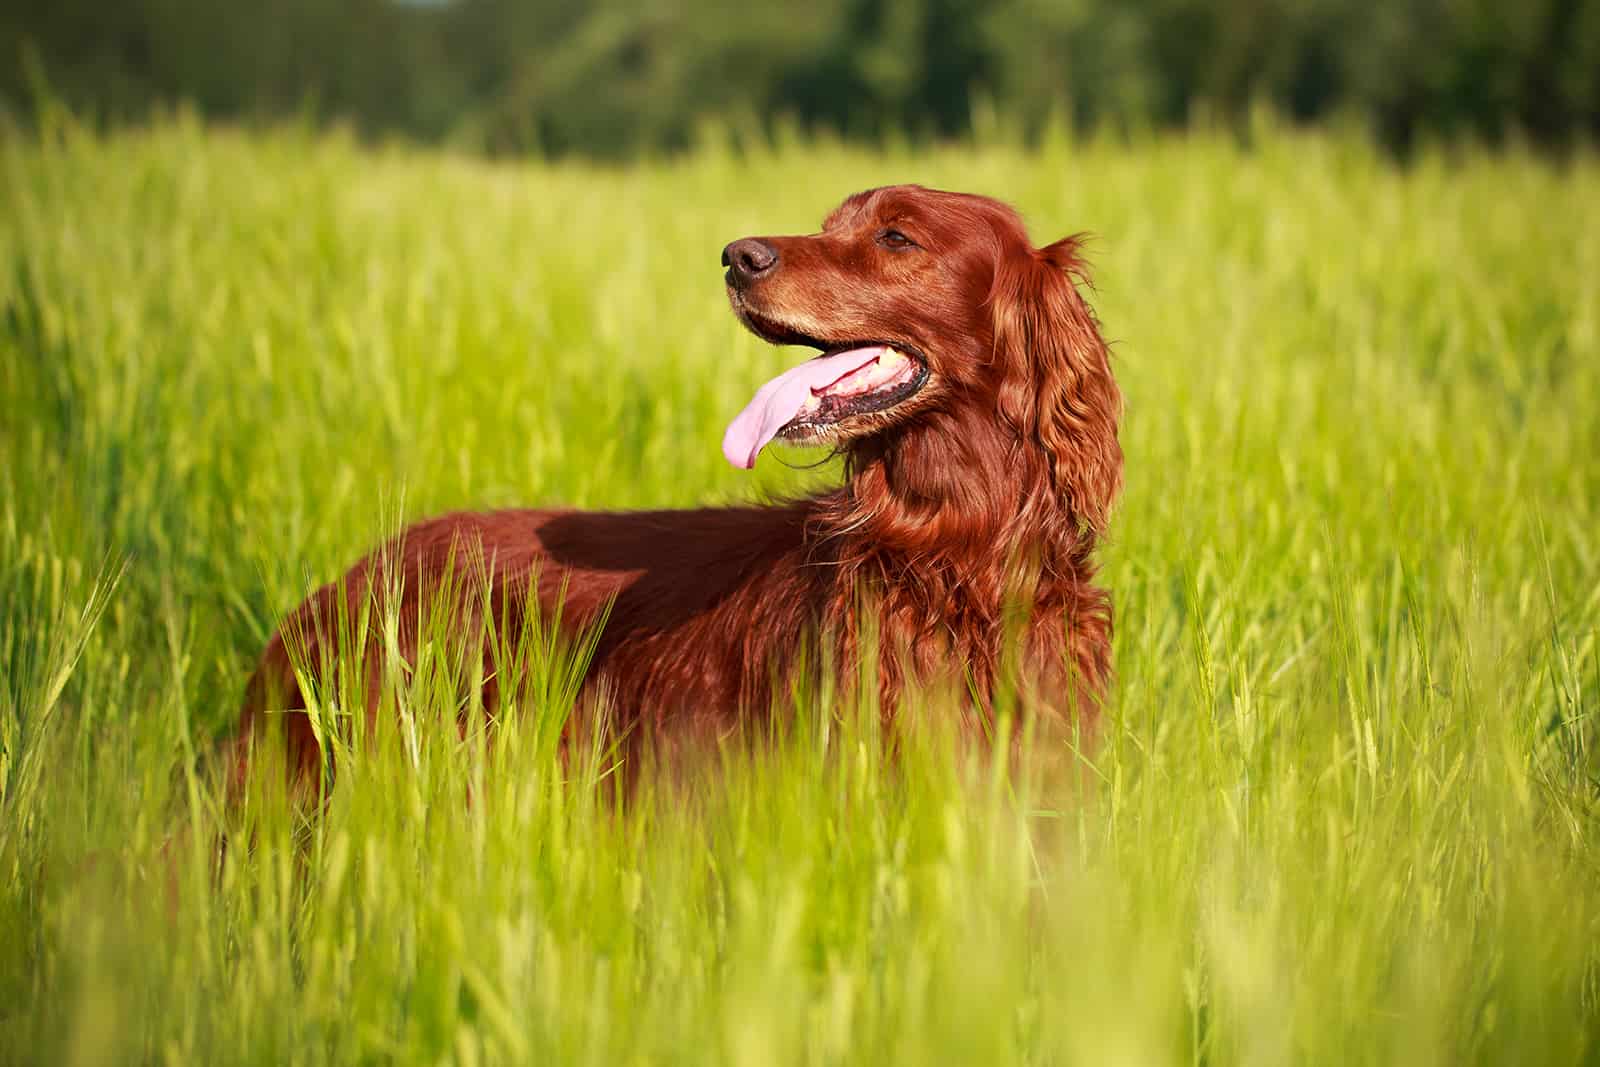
(747, 260)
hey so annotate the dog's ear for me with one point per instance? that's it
(1057, 392)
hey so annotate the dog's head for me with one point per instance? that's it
(920, 301)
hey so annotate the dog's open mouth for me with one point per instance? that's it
(848, 379)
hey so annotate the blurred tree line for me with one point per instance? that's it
(612, 77)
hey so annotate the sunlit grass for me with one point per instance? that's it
(1344, 804)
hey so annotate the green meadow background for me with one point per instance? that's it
(1345, 804)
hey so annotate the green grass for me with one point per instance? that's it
(1346, 806)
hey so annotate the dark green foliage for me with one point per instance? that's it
(617, 76)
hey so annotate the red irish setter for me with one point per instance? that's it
(966, 384)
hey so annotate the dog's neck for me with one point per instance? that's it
(947, 493)
(954, 520)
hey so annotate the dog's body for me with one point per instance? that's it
(979, 426)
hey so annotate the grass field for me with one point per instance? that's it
(1346, 806)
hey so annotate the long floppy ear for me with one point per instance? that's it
(1057, 392)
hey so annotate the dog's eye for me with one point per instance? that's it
(895, 239)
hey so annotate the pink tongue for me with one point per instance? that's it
(782, 398)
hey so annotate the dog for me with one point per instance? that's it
(964, 380)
